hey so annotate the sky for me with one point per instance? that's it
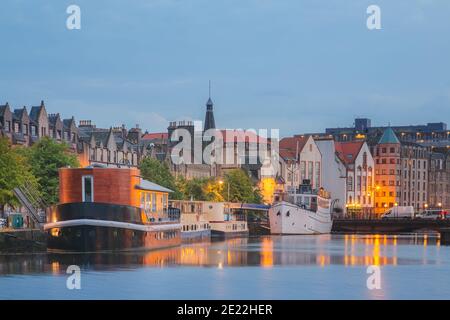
(295, 65)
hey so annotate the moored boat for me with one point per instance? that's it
(194, 221)
(301, 211)
(225, 221)
(111, 209)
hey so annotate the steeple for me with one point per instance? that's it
(209, 118)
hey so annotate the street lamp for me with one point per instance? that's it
(439, 204)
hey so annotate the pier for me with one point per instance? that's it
(389, 226)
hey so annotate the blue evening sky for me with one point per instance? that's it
(297, 65)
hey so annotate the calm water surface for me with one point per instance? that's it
(413, 266)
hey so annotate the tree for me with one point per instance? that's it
(159, 173)
(45, 158)
(14, 172)
(238, 187)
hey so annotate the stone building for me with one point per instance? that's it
(431, 134)
(25, 129)
(439, 179)
(300, 160)
(110, 147)
(401, 173)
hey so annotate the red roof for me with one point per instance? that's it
(289, 147)
(153, 136)
(348, 151)
(242, 136)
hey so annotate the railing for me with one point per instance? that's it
(32, 202)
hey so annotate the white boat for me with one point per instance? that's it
(225, 220)
(301, 211)
(194, 220)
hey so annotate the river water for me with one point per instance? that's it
(407, 266)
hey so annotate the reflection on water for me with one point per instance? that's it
(265, 252)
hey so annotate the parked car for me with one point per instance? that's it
(3, 223)
(399, 212)
(433, 214)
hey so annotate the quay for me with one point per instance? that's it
(389, 226)
(20, 240)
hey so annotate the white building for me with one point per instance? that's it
(334, 173)
(300, 159)
(349, 174)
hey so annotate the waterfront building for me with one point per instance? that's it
(439, 179)
(430, 134)
(334, 172)
(348, 174)
(300, 159)
(401, 173)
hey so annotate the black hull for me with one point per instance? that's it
(92, 227)
(94, 239)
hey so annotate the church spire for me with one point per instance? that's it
(209, 118)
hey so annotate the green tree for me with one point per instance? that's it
(159, 173)
(238, 187)
(45, 158)
(14, 172)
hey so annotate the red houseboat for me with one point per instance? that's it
(111, 209)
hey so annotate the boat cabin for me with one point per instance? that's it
(116, 186)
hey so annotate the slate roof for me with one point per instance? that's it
(18, 113)
(3, 109)
(151, 186)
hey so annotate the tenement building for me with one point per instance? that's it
(430, 134)
(439, 179)
(113, 147)
(401, 173)
(23, 128)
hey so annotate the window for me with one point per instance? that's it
(16, 127)
(88, 188)
(317, 178)
(350, 184)
(310, 171)
(8, 126)
(153, 202)
(303, 170)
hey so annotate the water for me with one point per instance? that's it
(413, 266)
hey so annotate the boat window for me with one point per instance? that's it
(88, 188)
(153, 202)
